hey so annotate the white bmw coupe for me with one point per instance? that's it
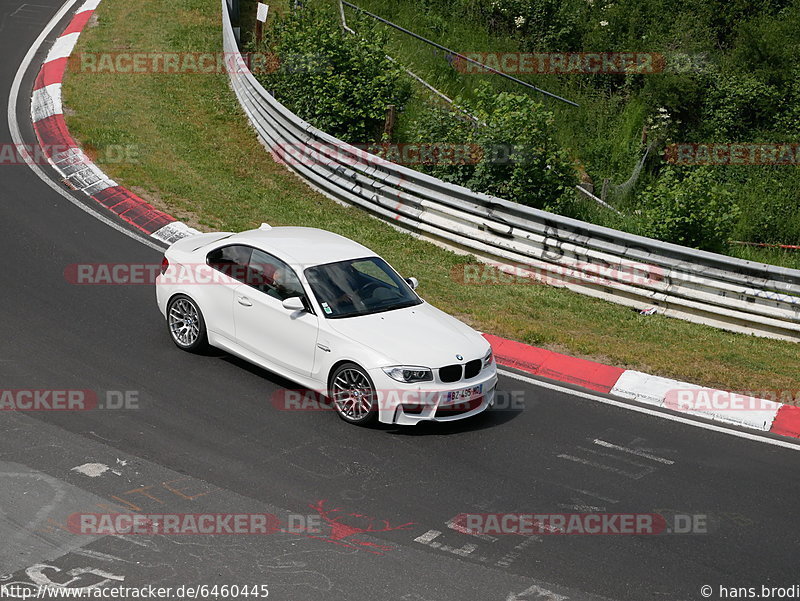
(327, 313)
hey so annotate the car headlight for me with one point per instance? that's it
(488, 359)
(408, 373)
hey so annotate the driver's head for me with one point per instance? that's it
(280, 277)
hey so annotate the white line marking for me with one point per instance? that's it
(427, 537)
(515, 553)
(596, 496)
(581, 507)
(644, 468)
(454, 525)
(132, 539)
(16, 135)
(97, 555)
(29, 8)
(674, 418)
(609, 468)
(636, 452)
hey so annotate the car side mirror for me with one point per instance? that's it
(294, 303)
(413, 282)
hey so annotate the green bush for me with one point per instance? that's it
(738, 106)
(516, 157)
(772, 201)
(690, 209)
(339, 82)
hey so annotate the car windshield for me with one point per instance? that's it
(359, 287)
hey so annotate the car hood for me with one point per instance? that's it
(420, 335)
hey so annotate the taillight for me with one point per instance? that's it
(164, 265)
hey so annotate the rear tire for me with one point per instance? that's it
(187, 328)
(353, 395)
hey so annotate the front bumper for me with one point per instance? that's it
(409, 404)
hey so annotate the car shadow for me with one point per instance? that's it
(491, 418)
(256, 370)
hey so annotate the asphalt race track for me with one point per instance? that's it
(206, 438)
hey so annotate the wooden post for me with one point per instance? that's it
(261, 18)
(391, 117)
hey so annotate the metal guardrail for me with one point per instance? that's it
(702, 287)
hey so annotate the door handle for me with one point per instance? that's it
(243, 300)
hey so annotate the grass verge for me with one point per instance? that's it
(199, 160)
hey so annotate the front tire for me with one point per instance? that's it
(187, 328)
(353, 395)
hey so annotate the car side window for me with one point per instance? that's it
(273, 277)
(231, 260)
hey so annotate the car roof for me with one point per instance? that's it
(302, 246)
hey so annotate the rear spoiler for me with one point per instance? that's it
(211, 239)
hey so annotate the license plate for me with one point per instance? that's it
(465, 394)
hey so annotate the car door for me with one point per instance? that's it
(263, 326)
(217, 296)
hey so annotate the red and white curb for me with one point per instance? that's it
(67, 158)
(690, 400)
